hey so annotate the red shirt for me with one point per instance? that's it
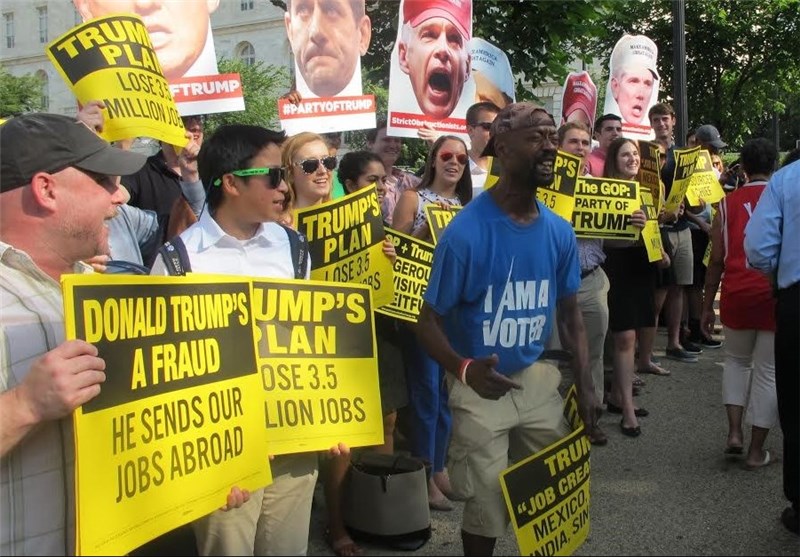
(746, 301)
(595, 162)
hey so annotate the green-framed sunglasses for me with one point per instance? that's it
(274, 174)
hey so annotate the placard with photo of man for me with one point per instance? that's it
(328, 39)
(633, 83)
(180, 31)
(430, 80)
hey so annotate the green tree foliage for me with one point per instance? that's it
(262, 85)
(742, 61)
(19, 94)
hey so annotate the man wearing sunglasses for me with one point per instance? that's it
(479, 121)
(239, 234)
(502, 268)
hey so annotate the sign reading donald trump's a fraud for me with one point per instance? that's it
(178, 421)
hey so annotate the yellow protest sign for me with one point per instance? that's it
(684, 167)
(495, 169)
(547, 494)
(439, 218)
(560, 195)
(412, 269)
(707, 254)
(318, 365)
(345, 240)
(112, 59)
(651, 233)
(603, 208)
(704, 183)
(178, 421)
(650, 170)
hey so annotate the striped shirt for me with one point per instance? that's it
(37, 502)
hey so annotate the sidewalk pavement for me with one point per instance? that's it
(670, 491)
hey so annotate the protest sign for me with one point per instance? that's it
(425, 89)
(650, 171)
(184, 45)
(704, 183)
(684, 167)
(579, 99)
(439, 217)
(633, 83)
(707, 254)
(547, 494)
(178, 420)
(318, 365)
(651, 233)
(112, 59)
(560, 195)
(603, 208)
(491, 71)
(327, 40)
(412, 269)
(345, 240)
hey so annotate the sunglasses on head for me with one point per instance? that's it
(274, 175)
(447, 155)
(485, 125)
(309, 166)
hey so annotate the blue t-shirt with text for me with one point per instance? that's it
(496, 282)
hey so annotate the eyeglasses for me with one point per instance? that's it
(487, 126)
(447, 155)
(273, 173)
(309, 166)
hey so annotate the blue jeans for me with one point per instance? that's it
(430, 415)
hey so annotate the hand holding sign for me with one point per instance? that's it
(486, 381)
(61, 380)
(92, 115)
(188, 158)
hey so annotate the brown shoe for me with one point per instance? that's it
(597, 436)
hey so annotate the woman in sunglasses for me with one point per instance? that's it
(309, 170)
(446, 181)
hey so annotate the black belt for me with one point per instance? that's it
(585, 274)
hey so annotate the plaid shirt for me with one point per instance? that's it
(37, 502)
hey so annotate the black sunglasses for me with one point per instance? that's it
(309, 166)
(274, 175)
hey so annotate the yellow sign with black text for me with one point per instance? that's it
(603, 208)
(684, 168)
(439, 217)
(651, 234)
(560, 195)
(345, 240)
(412, 269)
(318, 365)
(178, 421)
(112, 59)
(704, 183)
(650, 171)
(547, 494)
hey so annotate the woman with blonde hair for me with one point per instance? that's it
(309, 171)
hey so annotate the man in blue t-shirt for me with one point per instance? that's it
(502, 268)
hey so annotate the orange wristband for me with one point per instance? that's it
(462, 369)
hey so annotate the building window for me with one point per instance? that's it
(42, 76)
(9, 21)
(247, 5)
(42, 24)
(246, 53)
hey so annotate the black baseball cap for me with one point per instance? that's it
(44, 142)
(709, 135)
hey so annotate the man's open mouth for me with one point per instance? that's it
(440, 86)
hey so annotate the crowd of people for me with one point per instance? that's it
(471, 387)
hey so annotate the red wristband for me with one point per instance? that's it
(462, 369)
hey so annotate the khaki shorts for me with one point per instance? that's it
(490, 435)
(682, 257)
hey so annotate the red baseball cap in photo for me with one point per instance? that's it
(457, 12)
(580, 93)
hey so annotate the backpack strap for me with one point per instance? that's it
(175, 257)
(299, 248)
